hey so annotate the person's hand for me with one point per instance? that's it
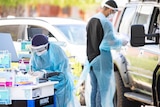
(124, 38)
(124, 42)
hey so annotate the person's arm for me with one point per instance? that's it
(109, 40)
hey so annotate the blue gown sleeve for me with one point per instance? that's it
(109, 40)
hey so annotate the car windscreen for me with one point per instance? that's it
(76, 34)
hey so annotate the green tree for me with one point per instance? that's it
(17, 6)
(61, 3)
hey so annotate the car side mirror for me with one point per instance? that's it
(138, 36)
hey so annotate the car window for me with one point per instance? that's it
(17, 31)
(75, 34)
(126, 20)
(155, 21)
(158, 23)
(144, 16)
(32, 30)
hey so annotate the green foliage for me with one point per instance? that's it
(12, 2)
(82, 4)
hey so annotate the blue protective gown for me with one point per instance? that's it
(55, 60)
(102, 65)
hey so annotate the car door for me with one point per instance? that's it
(129, 52)
(147, 56)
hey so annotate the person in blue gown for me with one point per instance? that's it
(101, 40)
(49, 57)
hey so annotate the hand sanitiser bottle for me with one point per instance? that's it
(22, 67)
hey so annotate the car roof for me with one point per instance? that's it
(154, 3)
(34, 22)
(63, 21)
(21, 19)
(51, 20)
(46, 22)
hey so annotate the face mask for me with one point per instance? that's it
(40, 50)
(110, 17)
(41, 53)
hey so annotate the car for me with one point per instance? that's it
(66, 32)
(136, 63)
(75, 32)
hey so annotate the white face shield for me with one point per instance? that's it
(112, 12)
(106, 5)
(39, 50)
(114, 9)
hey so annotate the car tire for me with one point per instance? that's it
(82, 94)
(119, 99)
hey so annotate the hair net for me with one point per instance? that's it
(39, 40)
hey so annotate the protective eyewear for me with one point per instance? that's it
(39, 48)
(113, 9)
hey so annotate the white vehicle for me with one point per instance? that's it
(75, 33)
(68, 33)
